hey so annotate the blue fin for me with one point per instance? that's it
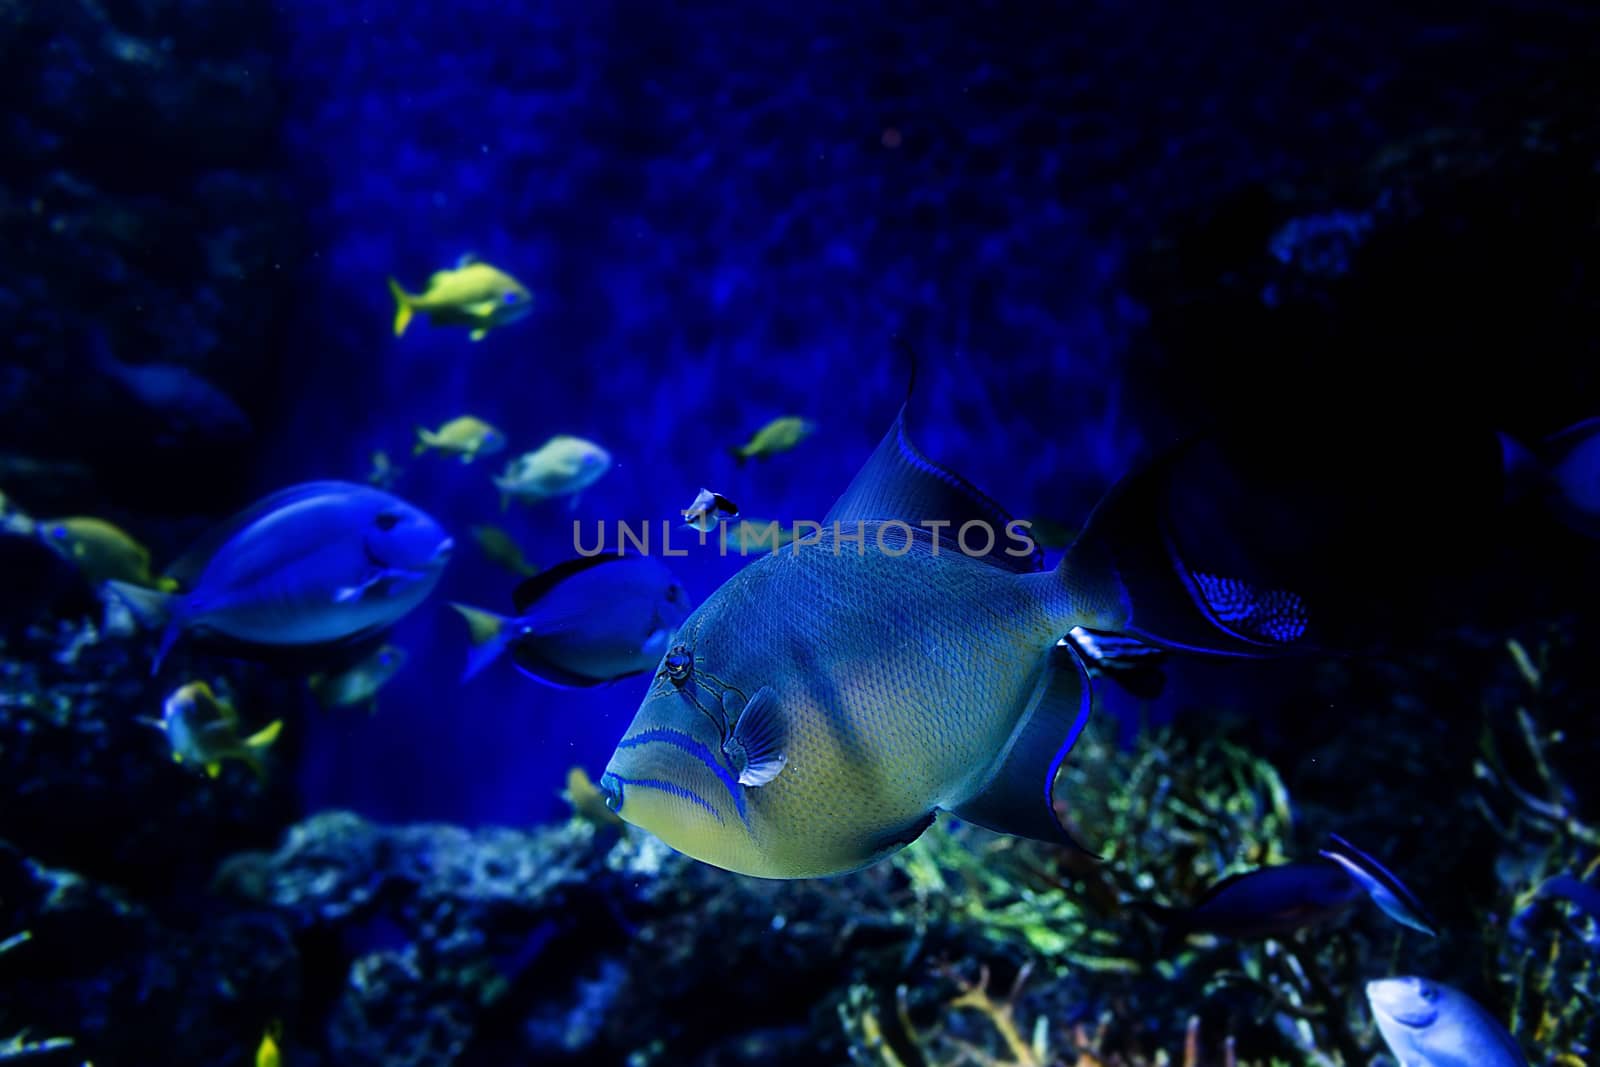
(756, 743)
(1019, 796)
(531, 591)
(899, 482)
(1132, 664)
(1386, 890)
(187, 568)
(1130, 534)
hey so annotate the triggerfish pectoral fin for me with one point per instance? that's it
(1019, 797)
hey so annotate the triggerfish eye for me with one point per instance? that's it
(680, 661)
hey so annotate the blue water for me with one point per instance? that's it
(702, 261)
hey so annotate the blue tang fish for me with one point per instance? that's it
(1267, 902)
(314, 564)
(584, 622)
(1426, 1024)
(823, 705)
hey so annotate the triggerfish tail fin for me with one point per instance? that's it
(490, 635)
(1020, 796)
(152, 609)
(403, 309)
(1127, 574)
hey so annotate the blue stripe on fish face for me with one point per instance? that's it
(679, 791)
(680, 740)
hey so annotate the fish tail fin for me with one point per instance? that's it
(403, 308)
(152, 609)
(739, 455)
(424, 441)
(490, 634)
(1551, 472)
(254, 749)
(1125, 575)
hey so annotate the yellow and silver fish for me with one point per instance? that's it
(359, 683)
(472, 294)
(203, 731)
(779, 435)
(102, 551)
(500, 548)
(562, 466)
(466, 437)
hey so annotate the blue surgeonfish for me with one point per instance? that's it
(584, 622)
(1426, 1024)
(1386, 890)
(314, 564)
(820, 708)
(1267, 902)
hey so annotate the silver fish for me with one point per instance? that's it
(314, 564)
(707, 510)
(816, 712)
(1426, 1024)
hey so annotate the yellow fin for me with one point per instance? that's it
(266, 736)
(425, 441)
(213, 769)
(402, 308)
(483, 626)
(478, 334)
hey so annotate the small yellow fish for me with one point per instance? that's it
(267, 1053)
(204, 731)
(466, 436)
(102, 551)
(779, 435)
(473, 294)
(588, 803)
(359, 683)
(562, 466)
(499, 547)
(383, 473)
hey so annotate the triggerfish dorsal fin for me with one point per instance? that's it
(1019, 798)
(531, 591)
(899, 483)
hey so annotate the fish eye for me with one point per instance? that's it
(386, 520)
(674, 593)
(59, 533)
(1428, 993)
(680, 661)
(511, 298)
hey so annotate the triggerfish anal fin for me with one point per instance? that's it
(899, 483)
(1019, 797)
